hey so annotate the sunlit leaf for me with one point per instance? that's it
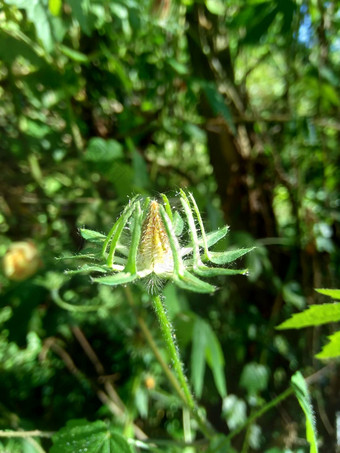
(55, 6)
(332, 348)
(315, 315)
(335, 293)
(302, 394)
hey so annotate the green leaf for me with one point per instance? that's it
(100, 150)
(331, 349)
(80, 12)
(229, 256)
(11, 47)
(197, 357)
(117, 279)
(206, 347)
(72, 54)
(215, 360)
(254, 378)
(55, 6)
(315, 315)
(91, 235)
(301, 392)
(335, 293)
(234, 410)
(90, 437)
(38, 14)
(215, 6)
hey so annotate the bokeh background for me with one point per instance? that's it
(236, 101)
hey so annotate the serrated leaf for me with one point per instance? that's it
(90, 437)
(91, 235)
(117, 279)
(302, 394)
(315, 315)
(335, 293)
(332, 348)
(229, 256)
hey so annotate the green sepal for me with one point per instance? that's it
(81, 256)
(131, 266)
(113, 236)
(91, 235)
(226, 257)
(214, 236)
(88, 268)
(205, 271)
(116, 279)
(211, 239)
(178, 224)
(188, 281)
(167, 207)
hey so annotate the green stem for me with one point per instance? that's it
(169, 338)
(34, 433)
(261, 411)
(170, 341)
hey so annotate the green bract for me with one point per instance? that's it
(145, 244)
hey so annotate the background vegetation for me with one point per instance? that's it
(236, 101)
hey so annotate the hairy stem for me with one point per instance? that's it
(170, 341)
(177, 384)
(169, 338)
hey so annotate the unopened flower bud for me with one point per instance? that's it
(21, 261)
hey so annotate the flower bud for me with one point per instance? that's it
(21, 261)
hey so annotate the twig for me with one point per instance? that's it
(34, 433)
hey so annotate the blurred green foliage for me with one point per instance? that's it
(238, 102)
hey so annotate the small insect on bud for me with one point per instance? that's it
(154, 252)
(21, 261)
